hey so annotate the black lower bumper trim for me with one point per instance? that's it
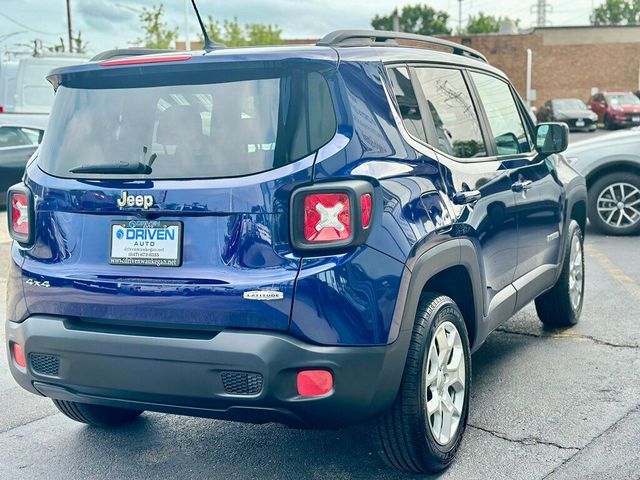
(185, 375)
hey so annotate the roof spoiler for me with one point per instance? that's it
(128, 52)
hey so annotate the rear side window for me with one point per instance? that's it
(240, 125)
(407, 102)
(454, 116)
(503, 115)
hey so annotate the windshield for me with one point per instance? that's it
(623, 99)
(569, 104)
(224, 129)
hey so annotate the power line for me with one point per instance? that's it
(27, 26)
(541, 8)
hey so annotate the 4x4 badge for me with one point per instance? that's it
(144, 201)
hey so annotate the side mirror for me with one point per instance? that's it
(551, 138)
(589, 106)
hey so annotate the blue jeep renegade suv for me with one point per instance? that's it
(314, 235)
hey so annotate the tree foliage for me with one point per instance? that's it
(157, 33)
(232, 34)
(421, 19)
(486, 23)
(617, 12)
(78, 43)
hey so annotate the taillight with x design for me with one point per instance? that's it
(331, 215)
(20, 206)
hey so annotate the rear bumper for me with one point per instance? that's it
(184, 374)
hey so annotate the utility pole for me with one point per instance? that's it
(459, 17)
(541, 8)
(69, 26)
(187, 40)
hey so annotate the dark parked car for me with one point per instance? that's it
(616, 109)
(315, 235)
(571, 111)
(20, 136)
(611, 165)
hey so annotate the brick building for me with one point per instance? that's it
(567, 61)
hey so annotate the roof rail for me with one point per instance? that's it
(352, 38)
(128, 52)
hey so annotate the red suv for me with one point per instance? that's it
(616, 109)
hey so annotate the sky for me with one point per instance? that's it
(107, 24)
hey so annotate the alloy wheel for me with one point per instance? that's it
(445, 383)
(618, 205)
(576, 273)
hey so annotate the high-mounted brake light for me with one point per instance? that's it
(331, 215)
(145, 59)
(20, 219)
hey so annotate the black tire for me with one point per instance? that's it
(96, 415)
(607, 123)
(601, 185)
(555, 307)
(403, 436)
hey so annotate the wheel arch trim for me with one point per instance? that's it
(451, 253)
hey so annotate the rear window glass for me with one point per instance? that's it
(224, 129)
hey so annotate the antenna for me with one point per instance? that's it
(209, 45)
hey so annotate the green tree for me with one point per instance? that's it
(157, 32)
(486, 23)
(79, 45)
(232, 34)
(617, 12)
(418, 18)
(261, 34)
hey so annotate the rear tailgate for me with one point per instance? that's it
(223, 256)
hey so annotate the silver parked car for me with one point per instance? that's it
(611, 165)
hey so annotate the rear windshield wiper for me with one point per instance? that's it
(114, 168)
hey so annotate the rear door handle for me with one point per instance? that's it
(466, 197)
(522, 185)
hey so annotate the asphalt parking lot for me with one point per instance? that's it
(545, 404)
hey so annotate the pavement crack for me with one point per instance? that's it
(592, 441)
(590, 338)
(523, 441)
(33, 420)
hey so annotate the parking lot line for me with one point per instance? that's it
(614, 272)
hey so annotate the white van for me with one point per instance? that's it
(28, 91)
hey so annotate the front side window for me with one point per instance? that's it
(240, 125)
(502, 112)
(454, 116)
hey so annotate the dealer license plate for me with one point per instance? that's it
(146, 242)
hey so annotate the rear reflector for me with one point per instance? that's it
(18, 355)
(19, 202)
(141, 60)
(314, 383)
(327, 217)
